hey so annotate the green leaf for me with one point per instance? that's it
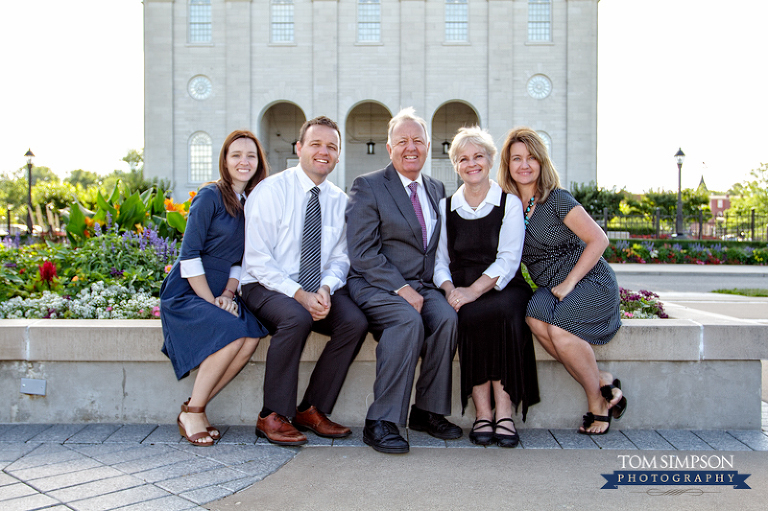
(176, 220)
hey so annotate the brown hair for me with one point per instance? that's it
(231, 202)
(318, 121)
(548, 177)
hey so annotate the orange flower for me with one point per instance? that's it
(139, 228)
(192, 194)
(75, 278)
(89, 222)
(169, 205)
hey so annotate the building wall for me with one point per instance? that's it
(326, 71)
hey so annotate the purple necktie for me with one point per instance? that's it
(419, 212)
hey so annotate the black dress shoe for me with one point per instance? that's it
(384, 437)
(434, 424)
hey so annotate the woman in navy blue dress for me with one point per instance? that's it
(203, 326)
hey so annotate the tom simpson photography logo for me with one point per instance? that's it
(674, 470)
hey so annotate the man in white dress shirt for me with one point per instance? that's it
(294, 275)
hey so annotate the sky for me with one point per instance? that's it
(671, 74)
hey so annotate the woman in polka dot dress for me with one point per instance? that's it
(577, 300)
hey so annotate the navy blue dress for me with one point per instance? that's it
(193, 328)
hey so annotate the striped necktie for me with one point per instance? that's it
(309, 267)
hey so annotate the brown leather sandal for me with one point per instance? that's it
(197, 436)
(212, 431)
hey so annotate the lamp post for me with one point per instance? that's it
(29, 157)
(679, 158)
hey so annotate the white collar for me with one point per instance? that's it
(407, 181)
(492, 197)
(305, 182)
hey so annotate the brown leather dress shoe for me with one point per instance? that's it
(317, 421)
(278, 430)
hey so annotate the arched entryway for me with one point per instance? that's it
(445, 123)
(365, 136)
(279, 131)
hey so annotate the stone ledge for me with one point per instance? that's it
(83, 340)
(677, 373)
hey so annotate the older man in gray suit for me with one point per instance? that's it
(393, 226)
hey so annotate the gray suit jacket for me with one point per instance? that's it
(384, 236)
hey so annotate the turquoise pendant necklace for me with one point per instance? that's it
(528, 210)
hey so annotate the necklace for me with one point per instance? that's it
(528, 210)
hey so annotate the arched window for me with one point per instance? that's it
(547, 141)
(368, 21)
(539, 20)
(456, 20)
(282, 21)
(199, 21)
(200, 157)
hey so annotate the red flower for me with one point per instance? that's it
(48, 271)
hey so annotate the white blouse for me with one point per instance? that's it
(511, 235)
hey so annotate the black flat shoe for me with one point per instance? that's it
(589, 418)
(617, 410)
(434, 424)
(481, 438)
(384, 437)
(509, 439)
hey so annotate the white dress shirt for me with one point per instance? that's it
(194, 267)
(511, 235)
(274, 225)
(430, 216)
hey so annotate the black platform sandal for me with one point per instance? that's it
(589, 418)
(617, 410)
(483, 438)
(503, 439)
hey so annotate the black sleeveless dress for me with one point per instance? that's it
(495, 343)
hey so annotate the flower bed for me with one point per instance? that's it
(112, 275)
(641, 305)
(664, 252)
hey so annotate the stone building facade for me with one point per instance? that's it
(212, 66)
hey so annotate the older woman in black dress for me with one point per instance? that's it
(478, 267)
(577, 301)
(202, 323)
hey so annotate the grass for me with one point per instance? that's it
(743, 291)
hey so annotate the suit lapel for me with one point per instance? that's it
(400, 196)
(434, 199)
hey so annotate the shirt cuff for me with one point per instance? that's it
(333, 283)
(234, 272)
(440, 277)
(191, 267)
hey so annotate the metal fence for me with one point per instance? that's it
(750, 227)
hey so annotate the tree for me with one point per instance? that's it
(693, 201)
(753, 194)
(134, 178)
(596, 199)
(135, 159)
(84, 178)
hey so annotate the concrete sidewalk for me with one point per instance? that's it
(144, 467)
(689, 269)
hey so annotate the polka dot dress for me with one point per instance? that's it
(591, 310)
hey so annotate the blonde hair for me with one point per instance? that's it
(548, 177)
(474, 135)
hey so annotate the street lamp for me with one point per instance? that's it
(679, 158)
(29, 157)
